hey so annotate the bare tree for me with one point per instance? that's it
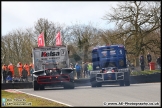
(137, 20)
(84, 37)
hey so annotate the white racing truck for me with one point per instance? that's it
(51, 67)
(109, 65)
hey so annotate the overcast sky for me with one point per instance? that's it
(16, 15)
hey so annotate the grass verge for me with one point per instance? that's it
(34, 100)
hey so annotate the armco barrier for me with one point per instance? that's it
(16, 85)
(85, 82)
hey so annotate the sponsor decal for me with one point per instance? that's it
(51, 53)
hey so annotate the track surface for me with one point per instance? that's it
(87, 96)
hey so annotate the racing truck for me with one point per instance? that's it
(109, 66)
(51, 68)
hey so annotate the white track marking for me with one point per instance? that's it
(44, 98)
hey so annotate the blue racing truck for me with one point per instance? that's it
(109, 65)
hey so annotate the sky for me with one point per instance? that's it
(22, 15)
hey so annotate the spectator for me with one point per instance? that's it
(158, 61)
(85, 69)
(82, 70)
(9, 73)
(26, 66)
(31, 71)
(142, 64)
(78, 69)
(24, 74)
(31, 66)
(20, 67)
(15, 79)
(149, 58)
(11, 68)
(89, 68)
(9, 76)
(9, 79)
(4, 72)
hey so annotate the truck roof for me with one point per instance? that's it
(104, 46)
(50, 47)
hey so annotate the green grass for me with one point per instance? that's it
(34, 100)
(146, 72)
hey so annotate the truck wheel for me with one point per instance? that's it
(127, 79)
(93, 81)
(99, 84)
(121, 82)
(71, 85)
(41, 87)
(93, 84)
(36, 85)
(127, 83)
(65, 86)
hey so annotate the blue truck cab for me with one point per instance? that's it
(106, 57)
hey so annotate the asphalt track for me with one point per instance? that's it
(110, 95)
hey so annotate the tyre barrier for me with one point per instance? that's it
(86, 82)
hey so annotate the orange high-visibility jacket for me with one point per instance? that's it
(20, 67)
(11, 68)
(31, 65)
(26, 66)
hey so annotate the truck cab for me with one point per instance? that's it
(109, 56)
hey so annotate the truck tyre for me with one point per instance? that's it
(127, 83)
(41, 87)
(71, 85)
(99, 84)
(65, 86)
(121, 82)
(93, 81)
(127, 78)
(93, 84)
(36, 85)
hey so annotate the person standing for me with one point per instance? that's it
(31, 65)
(82, 70)
(149, 58)
(158, 61)
(90, 68)
(24, 74)
(78, 69)
(85, 69)
(26, 66)
(11, 68)
(9, 76)
(20, 67)
(4, 72)
(142, 64)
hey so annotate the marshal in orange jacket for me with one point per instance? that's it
(11, 68)
(26, 66)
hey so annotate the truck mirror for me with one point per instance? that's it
(68, 52)
(31, 55)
